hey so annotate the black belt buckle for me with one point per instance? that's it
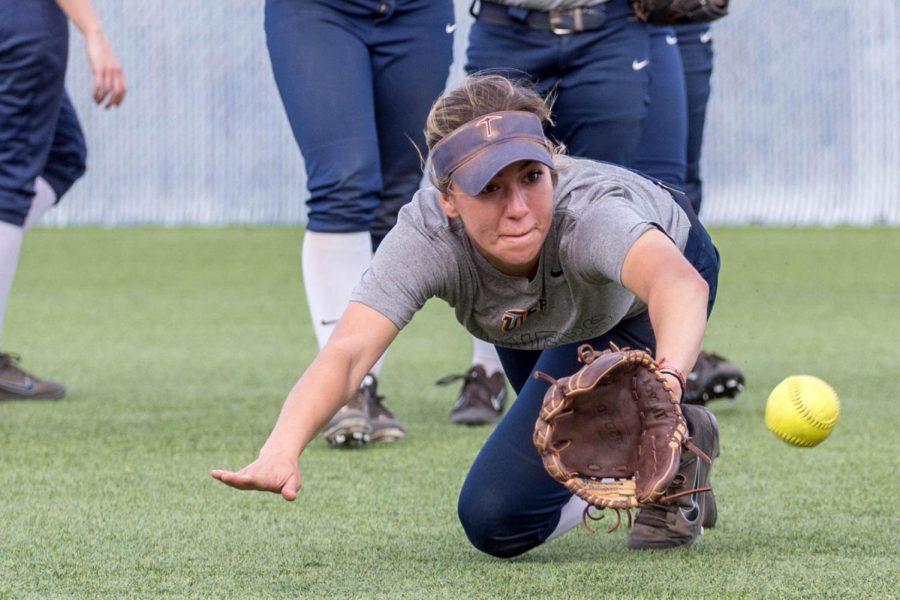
(574, 20)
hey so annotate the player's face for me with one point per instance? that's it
(509, 219)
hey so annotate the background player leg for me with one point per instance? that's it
(411, 57)
(322, 68)
(713, 376)
(33, 110)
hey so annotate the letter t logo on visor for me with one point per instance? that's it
(479, 149)
(488, 131)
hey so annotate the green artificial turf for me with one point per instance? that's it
(178, 347)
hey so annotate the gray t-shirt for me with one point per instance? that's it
(600, 210)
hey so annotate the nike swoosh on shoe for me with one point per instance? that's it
(27, 388)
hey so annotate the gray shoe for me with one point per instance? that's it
(18, 384)
(710, 512)
(350, 427)
(671, 525)
(711, 378)
(481, 400)
(385, 427)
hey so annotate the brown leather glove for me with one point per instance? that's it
(679, 12)
(613, 432)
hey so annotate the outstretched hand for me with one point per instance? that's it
(280, 476)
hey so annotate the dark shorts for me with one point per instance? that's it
(40, 135)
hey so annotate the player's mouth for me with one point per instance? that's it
(518, 235)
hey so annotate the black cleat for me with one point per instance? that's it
(481, 400)
(713, 377)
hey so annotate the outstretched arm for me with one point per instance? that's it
(675, 294)
(360, 338)
(109, 80)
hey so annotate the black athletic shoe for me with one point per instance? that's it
(660, 526)
(481, 400)
(18, 384)
(385, 427)
(350, 427)
(713, 377)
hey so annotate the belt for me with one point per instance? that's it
(560, 22)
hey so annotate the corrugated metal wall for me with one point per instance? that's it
(804, 123)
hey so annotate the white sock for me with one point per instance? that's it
(484, 354)
(10, 245)
(333, 263)
(44, 199)
(570, 516)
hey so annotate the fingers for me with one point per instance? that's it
(246, 481)
(115, 82)
(289, 491)
(241, 481)
(109, 83)
(99, 92)
(109, 79)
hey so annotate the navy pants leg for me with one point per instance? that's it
(661, 153)
(695, 46)
(357, 89)
(66, 160)
(39, 131)
(508, 503)
(599, 77)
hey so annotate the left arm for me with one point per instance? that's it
(109, 80)
(675, 294)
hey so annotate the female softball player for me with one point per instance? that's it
(538, 253)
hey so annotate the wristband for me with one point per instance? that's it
(677, 374)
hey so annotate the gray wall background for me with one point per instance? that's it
(803, 127)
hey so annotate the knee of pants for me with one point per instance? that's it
(344, 182)
(495, 527)
(62, 174)
(65, 162)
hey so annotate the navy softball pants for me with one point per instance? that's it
(508, 503)
(600, 77)
(662, 150)
(695, 46)
(39, 130)
(357, 85)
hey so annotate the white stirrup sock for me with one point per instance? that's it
(333, 263)
(10, 245)
(44, 199)
(569, 517)
(484, 354)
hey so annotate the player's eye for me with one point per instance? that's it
(489, 189)
(534, 176)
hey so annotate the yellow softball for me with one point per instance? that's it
(802, 410)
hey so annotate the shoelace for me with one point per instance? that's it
(376, 407)
(469, 377)
(587, 515)
(9, 358)
(677, 482)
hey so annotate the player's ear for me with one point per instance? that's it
(448, 206)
